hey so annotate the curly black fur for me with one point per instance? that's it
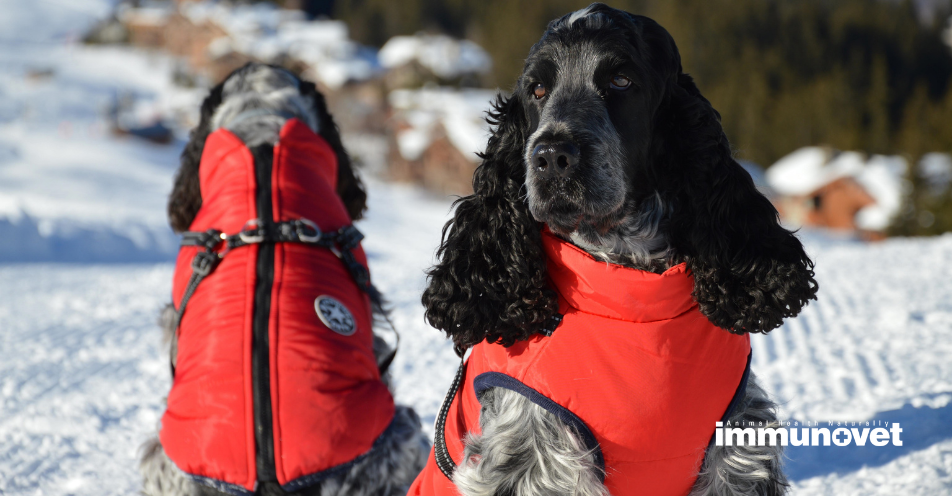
(750, 273)
(186, 197)
(491, 280)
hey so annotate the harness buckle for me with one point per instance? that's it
(212, 238)
(303, 226)
(205, 262)
(250, 235)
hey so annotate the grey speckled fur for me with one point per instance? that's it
(263, 89)
(160, 477)
(639, 244)
(745, 470)
(524, 450)
(388, 470)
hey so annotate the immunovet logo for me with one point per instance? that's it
(807, 434)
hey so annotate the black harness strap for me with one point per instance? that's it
(442, 454)
(341, 243)
(440, 451)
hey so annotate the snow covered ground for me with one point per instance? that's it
(83, 370)
(69, 189)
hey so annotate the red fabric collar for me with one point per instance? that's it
(295, 135)
(613, 291)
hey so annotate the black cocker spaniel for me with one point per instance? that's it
(254, 103)
(610, 144)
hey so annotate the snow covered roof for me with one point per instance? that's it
(460, 112)
(266, 32)
(151, 13)
(883, 180)
(242, 18)
(810, 168)
(447, 57)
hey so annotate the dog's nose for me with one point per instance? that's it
(555, 158)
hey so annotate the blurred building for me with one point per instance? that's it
(146, 26)
(214, 38)
(416, 94)
(840, 190)
(422, 59)
(435, 135)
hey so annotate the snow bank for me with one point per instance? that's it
(266, 32)
(69, 189)
(461, 113)
(446, 57)
(47, 21)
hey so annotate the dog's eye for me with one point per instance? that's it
(538, 90)
(620, 82)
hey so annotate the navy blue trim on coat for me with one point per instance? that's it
(735, 401)
(488, 380)
(221, 486)
(741, 390)
(316, 477)
(303, 481)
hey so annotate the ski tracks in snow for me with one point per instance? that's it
(876, 345)
(81, 380)
(878, 337)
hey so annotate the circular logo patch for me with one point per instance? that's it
(335, 315)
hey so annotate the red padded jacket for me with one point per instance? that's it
(634, 366)
(253, 346)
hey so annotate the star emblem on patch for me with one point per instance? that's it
(335, 315)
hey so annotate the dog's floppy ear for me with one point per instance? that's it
(490, 282)
(750, 273)
(349, 187)
(186, 197)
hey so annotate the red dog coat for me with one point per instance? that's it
(634, 366)
(278, 336)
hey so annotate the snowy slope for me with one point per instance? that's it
(69, 190)
(84, 371)
(875, 346)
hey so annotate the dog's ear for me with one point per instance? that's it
(186, 197)
(349, 186)
(750, 273)
(490, 282)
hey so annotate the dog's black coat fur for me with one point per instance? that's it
(490, 282)
(637, 174)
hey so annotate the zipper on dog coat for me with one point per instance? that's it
(629, 362)
(260, 362)
(275, 379)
